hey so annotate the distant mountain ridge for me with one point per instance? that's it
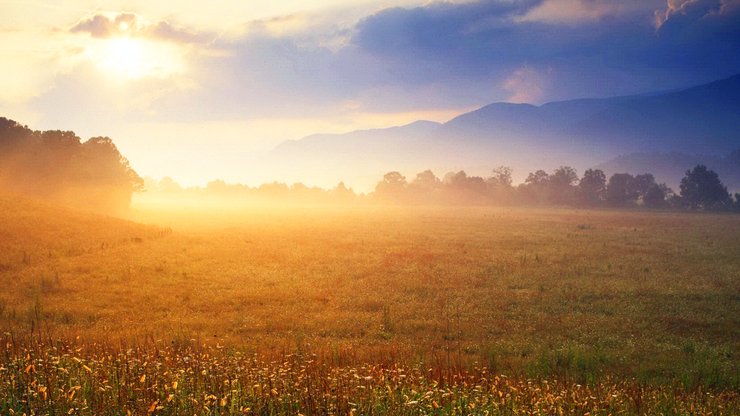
(368, 140)
(583, 133)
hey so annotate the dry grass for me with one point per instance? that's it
(59, 378)
(599, 298)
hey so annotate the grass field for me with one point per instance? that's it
(377, 309)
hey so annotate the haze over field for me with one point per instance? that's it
(370, 207)
(211, 94)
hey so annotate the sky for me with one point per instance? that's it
(200, 90)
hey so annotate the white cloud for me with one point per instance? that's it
(527, 85)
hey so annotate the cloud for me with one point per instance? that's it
(436, 57)
(675, 7)
(693, 10)
(579, 11)
(595, 47)
(110, 25)
(527, 85)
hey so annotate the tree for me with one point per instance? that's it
(106, 164)
(501, 177)
(392, 187)
(272, 189)
(461, 188)
(535, 188)
(60, 139)
(12, 134)
(342, 193)
(499, 184)
(592, 187)
(655, 196)
(425, 187)
(56, 165)
(168, 184)
(538, 178)
(426, 181)
(702, 189)
(562, 185)
(620, 190)
(643, 183)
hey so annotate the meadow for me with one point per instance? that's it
(368, 310)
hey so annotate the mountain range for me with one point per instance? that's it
(611, 133)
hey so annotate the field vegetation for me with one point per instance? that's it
(368, 310)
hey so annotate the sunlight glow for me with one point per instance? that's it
(127, 58)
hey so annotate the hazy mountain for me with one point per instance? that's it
(397, 141)
(699, 120)
(359, 157)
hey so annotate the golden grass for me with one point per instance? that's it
(565, 296)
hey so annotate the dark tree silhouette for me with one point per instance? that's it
(562, 185)
(643, 183)
(535, 188)
(620, 191)
(592, 187)
(56, 165)
(655, 196)
(702, 189)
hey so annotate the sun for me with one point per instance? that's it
(127, 58)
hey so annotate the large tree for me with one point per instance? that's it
(425, 187)
(563, 185)
(536, 188)
(501, 177)
(656, 195)
(620, 191)
(499, 184)
(57, 165)
(392, 187)
(643, 183)
(702, 189)
(426, 181)
(592, 187)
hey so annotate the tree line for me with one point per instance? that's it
(59, 166)
(93, 174)
(700, 189)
